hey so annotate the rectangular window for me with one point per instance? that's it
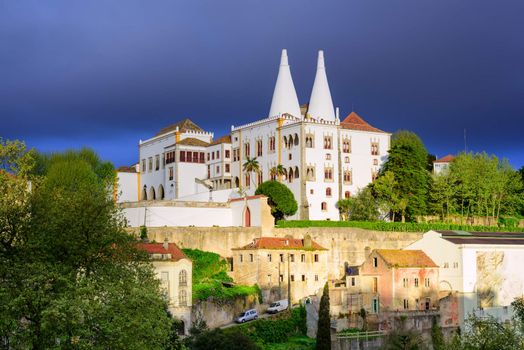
(202, 155)
(260, 178)
(269, 257)
(375, 305)
(375, 284)
(328, 174)
(375, 262)
(281, 278)
(303, 258)
(208, 171)
(328, 142)
(228, 153)
(171, 173)
(348, 178)
(405, 282)
(241, 258)
(281, 257)
(208, 156)
(251, 257)
(346, 146)
(218, 154)
(227, 168)
(157, 162)
(182, 156)
(316, 278)
(353, 282)
(292, 257)
(269, 279)
(195, 157)
(303, 278)
(416, 282)
(309, 141)
(346, 159)
(316, 257)
(218, 169)
(406, 304)
(163, 160)
(247, 150)
(212, 155)
(328, 156)
(292, 278)
(143, 166)
(426, 282)
(259, 148)
(189, 156)
(374, 149)
(150, 165)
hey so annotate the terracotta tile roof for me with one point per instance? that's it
(192, 142)
(406, 258)
(445, 159)
(354, 122)
(248, 198)
(158, 248)
(280, 244)
(182, 125)
(126, 169)
(223, 139)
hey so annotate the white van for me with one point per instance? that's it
(277, 306)
(248, 315)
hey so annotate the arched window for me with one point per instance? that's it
(237, 182)
(296, 139)
(323, 206)
(247, 217)
(296, 172)
(290, 175)
(182, 278)
(182, 297)
(347, 194)
(285, 141)
(160, 192)
(328, 192)
(152, 195)
(144, 193)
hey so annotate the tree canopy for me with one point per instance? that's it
(281, 199)
(324, 322)
(71, 276)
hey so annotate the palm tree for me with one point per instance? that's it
(277, 171)
(251, 166)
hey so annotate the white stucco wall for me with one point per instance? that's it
(127, 190)
(156, 216)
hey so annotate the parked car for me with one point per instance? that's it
(277, 306)
(248, 315)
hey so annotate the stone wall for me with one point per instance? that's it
(221, 314)
(345, 244)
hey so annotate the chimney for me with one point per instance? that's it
(165, 244)
(308, 243)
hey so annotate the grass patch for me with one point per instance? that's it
(394, 226)
(294, 343)
(209, 273)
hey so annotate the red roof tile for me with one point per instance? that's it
(354, 122)
(127, 169)
(158, 248)
(183, 126)
(280, 243)
(406, 258)
(223, 139)
(445, 159)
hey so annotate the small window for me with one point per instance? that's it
(251, 257)
(405, 282)
(241, 258)
(269, 257)
(228, 153)
(375, 161)
(346, 159)
(281, 277)
(353, 282)
(292, 257)
(427, 282)
(328, 156)
(292, 278)
(303, 278)
(328, 192)
(316, 278)
(375, 262)
(303, 258)
(316, 257)
(347, 194)
(281, 257)
(416, 282)
(323, 206)
(406, 304)
(375, 284)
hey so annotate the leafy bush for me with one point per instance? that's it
(395, 226)
(277, 330)
(281, 199)
(209, 273)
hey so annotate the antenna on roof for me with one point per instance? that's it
(465, 142)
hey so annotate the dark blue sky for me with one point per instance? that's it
(108, 73)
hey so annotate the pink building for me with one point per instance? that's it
(391, 279)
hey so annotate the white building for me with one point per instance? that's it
(325, 159)
(442, 164)
(174, 270)
(482, 268)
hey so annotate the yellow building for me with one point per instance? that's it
(174, 270)
(281, 267)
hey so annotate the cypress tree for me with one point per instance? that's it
(324, 322)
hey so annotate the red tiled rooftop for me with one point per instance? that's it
(406, 258)
(354, 122)
(158, 248)
(445, 159)
(223, 139)
(280, 243)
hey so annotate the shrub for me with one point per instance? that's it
(281, 199)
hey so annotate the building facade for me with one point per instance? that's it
(174, 270)
(394, 280)
(281, 267)
(323, 158)
(482, 269)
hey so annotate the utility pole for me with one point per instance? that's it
(288, 284)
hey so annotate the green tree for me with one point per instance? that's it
(281, 199)
(407, 160)
(389, 200)
(277, 172)
(437, 337)
(442, 195)
(343, 206)
(67, 263)
(363, 206)
(324, 322)
(219, 339)
(251, 165)
(489, 334)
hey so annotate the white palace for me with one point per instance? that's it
(324, 158)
